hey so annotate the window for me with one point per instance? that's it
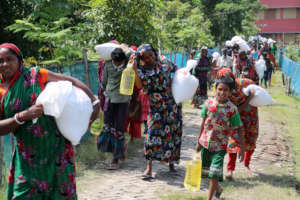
(298, 13)
(270, 13)
(289, 13)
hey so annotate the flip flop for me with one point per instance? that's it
(147, 176)
(218, 194)
(112, 167)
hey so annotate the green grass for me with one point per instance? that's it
(286, 111)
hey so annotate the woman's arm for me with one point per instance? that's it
(137, 81)
(11, 124)
(246, 103)
(53, 77)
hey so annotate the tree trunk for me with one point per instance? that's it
(86, 67)
(70, 68)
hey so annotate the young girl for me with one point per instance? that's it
(220, 117)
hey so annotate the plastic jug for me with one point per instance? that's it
(192, 180)
(127, 80)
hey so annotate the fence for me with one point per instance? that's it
(291, 70)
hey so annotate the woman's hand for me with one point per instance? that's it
(95, 113)
(132, 59)
(33, 112)
(198, 147)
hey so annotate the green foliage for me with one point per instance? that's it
(181, 26)
(293, 52)
(127, 21)
(230, 17)
(50, 25)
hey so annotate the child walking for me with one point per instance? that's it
(220, 118)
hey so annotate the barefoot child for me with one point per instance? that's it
(220, 117)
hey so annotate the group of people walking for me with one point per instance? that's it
(43, 163)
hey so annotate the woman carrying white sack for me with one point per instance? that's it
(43, 165)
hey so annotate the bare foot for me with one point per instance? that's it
(250, 172)
(229, 175)
(172, 168)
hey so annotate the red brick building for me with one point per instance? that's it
(280, 20)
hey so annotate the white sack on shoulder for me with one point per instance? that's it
(74, 120)
(184, 85)
(70, 106)
(104, 50)
(261, 96)
(54, 97)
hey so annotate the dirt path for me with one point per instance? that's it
(126, 183)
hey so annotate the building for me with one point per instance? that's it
(280, 20)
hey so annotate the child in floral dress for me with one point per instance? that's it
(220, 117)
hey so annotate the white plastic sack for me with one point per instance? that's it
(243, 45)
(260, 67)
(184, 85)
(228, 43)
(74, 119)
(104, 50)
(261, 96)
(215, 56)
(191, 64)
(70, 106)
(52, 97)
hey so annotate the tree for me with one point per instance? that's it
(51, 25)
(10, 10)
(127, 21)
(230, 17)
(180, 26)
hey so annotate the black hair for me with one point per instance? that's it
(118, 55)
(227, 80)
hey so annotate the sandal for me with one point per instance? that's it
(113, 166)
(218, 194)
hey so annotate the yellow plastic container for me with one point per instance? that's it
(97, 125)
(192, 180)
(127, 80)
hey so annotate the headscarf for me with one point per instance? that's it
(225, 72)
(13, 47)
(16, 50)
(142, 49)
(225, 75)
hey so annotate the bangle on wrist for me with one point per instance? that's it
(95, 102)
(16, 119)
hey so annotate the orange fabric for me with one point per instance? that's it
(44, 75)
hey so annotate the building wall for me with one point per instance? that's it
(271, 19)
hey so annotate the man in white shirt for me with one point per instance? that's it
(225, 60)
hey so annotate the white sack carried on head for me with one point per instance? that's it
(104, 50)
(260, 67)
(261, 97)
(184, 85)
